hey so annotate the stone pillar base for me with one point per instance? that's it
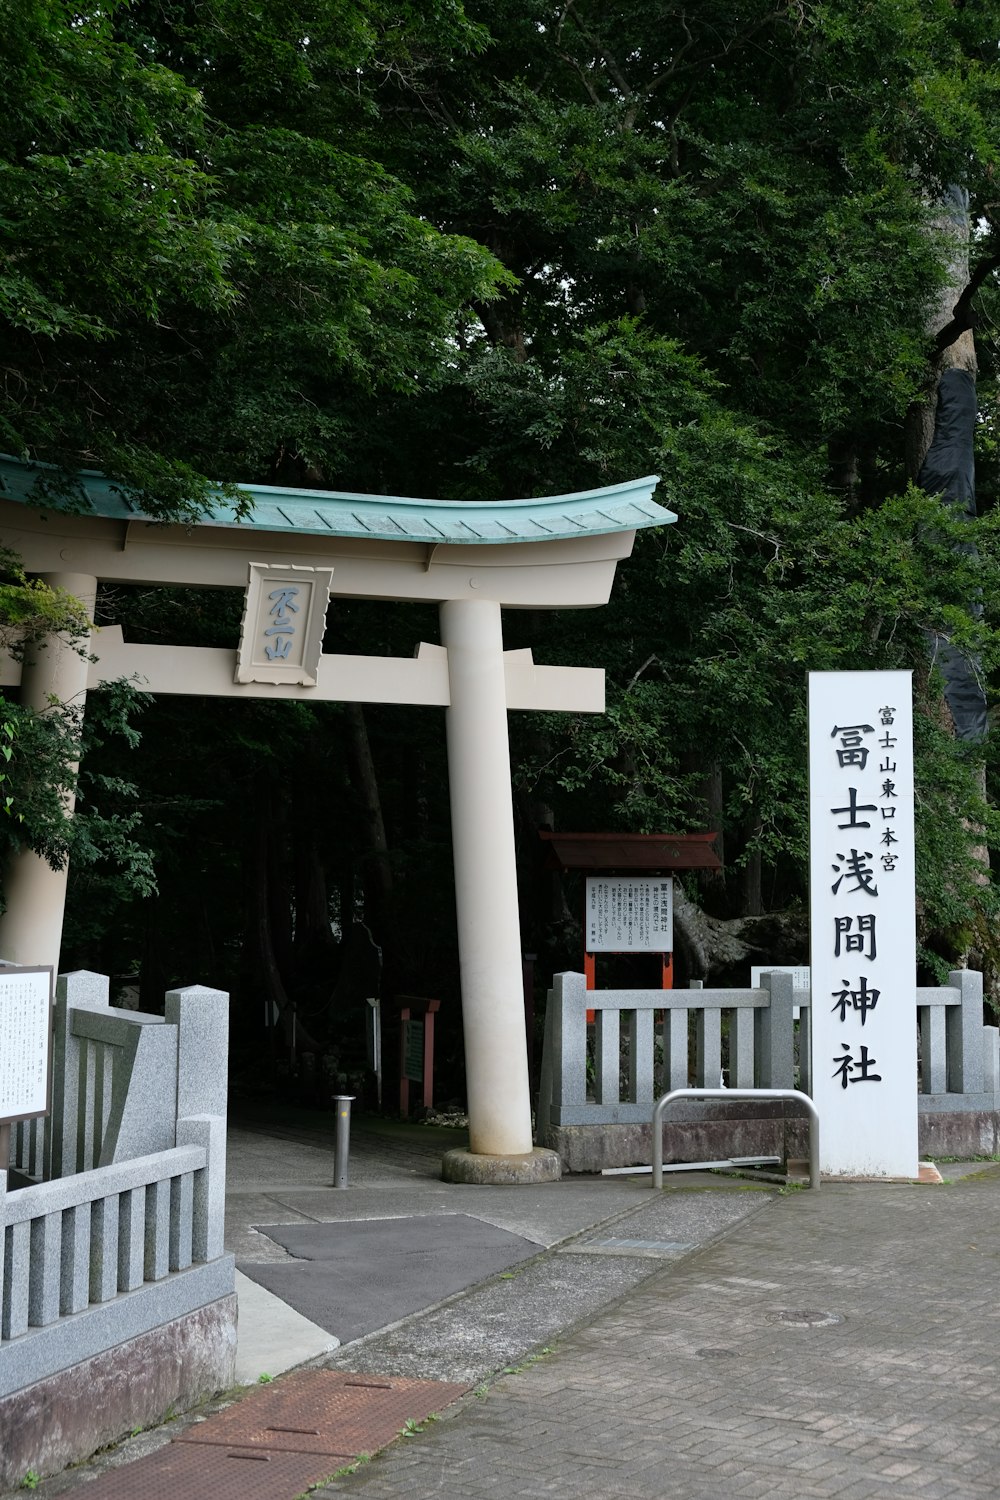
(539, 1165)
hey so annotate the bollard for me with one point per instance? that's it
(342, 1145)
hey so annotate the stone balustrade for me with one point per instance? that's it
(112, 1266)
(599, 1078)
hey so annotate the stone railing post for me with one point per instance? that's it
(80, 990)
(569, 1040)
(208, 1207)
(991, 1061)
(201, 1017)
(776, 1034)
(964, 1024)
(3, 1226)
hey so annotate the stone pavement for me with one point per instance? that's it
(841, 1343)
(716, 1340)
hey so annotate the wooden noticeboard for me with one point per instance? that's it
(629, 892)
(25, 1043)
(413, 1051)
(416, 1049)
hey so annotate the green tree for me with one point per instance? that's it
(202, 275)
(528, 249)
(725, 229)
(41, 750)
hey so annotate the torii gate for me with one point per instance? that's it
(295, 550)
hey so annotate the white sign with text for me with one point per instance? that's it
(799, 973)
(630, 914)
(25, 1042)
(862, 922)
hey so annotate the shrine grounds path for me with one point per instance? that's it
(717, 1340)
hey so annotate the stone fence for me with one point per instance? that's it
(117, 1298)
(599, 1080)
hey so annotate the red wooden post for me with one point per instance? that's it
(404, 1082)
(590, 970)
(432, 1006)
(528, 982)
(412, 1008)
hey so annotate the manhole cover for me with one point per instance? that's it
(716, 1353)
(807, 1318)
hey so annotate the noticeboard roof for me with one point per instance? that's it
(618, 507)
(631, 851)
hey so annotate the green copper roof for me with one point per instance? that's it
(619, 507)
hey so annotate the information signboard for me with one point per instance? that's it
(800, 978)
(799, 973)
(863, 940)
(630, 914)
(413, 1051)
(25, 1042)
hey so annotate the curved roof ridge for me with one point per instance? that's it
(618, 507)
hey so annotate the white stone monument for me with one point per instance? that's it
(862, 923)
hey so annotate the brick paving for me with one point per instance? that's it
(839, 1344)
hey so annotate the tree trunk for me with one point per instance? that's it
(722, 952)
(751, 872)
(376, 872)
(710, 816)
(953, 223)
(260, 959)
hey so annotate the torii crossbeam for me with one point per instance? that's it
(295, 550)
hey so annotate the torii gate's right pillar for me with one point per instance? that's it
(489, 935)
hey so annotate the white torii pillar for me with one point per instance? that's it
(489, 935)
(54, 671)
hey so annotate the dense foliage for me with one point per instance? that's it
(523, 248)
(726, 227)
(201, 272)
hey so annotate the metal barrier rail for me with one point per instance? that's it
(668, 1099)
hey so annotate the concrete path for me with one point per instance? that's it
(329, 1266)
(713, 1341)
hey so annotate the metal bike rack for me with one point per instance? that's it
(668, 1099)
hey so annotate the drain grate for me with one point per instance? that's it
(667, 1249)
(278, 1441)
(324, 1411)
(181, 1469)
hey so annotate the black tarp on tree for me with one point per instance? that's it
(949, 471)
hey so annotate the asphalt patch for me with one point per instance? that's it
(356, 1276)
